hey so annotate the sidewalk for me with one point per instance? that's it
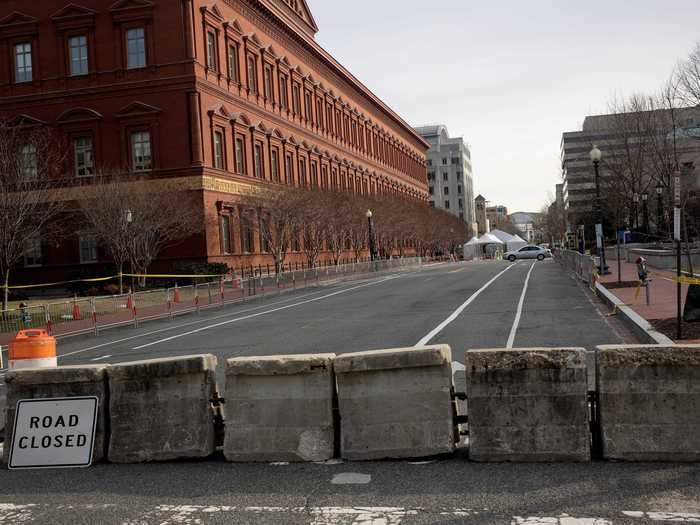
(662, 292)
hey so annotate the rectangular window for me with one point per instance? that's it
(447, 205)
(263, 228)
(461, 204)
(446, 190)
(84, 163)
(246, 235)
(32, 251)
(314, 174)
(302, 172)
(233, 71)
(329, 118)
(274, 165)
(225, 234)
(23, 62)
(284, 96)
(219, 150)
(444, 176)
(135, 48)
(307, 106)
(252, 74)
(29, 162)
(259, 166)
(212, 62)
(78, 49)
(269, 95)
(455, 161)
(240, 155)
(459, 189)
(319, 113)
(289, 170)
(324, 177)
(141, 159)
(296, 99)
(430, 190)
(88, 249)
(444, 161)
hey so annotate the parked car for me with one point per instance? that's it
(528, 252)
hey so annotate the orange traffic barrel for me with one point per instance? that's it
(32, 349)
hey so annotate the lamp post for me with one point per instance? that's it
(659, 209)
(635, 211)
(596, 155)
(129, 218)
(372, 254)
(645, 212)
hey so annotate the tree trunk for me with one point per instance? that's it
(6, 290)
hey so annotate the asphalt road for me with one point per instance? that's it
(467, 305)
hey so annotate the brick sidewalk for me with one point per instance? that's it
(662, 292)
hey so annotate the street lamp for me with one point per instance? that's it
(659, 208)
(129, 217)
(596, 155)
(371, 235)
(645, 212)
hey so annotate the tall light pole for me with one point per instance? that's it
(372, 254)
(645, 212)
(596, 155)
(659, 209)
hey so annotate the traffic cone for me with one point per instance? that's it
(129, 301)
(176, 295)
(32, 349)
(76, 309)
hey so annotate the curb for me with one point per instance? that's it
(640, 326)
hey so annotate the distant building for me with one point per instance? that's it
(578, 190)
(527, 223)
(497, 215)
(450, 181)
(482, 220)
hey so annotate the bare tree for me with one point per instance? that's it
(31, 163)
(280, 211)
(135, 219)
(688, 75)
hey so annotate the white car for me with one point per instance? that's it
(528, 252)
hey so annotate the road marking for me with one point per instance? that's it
(266, 312)
(101, 358)
(190, 323)
(519, 313)
(564, 519)
(682, 517)
(351, 478)
(439, 328)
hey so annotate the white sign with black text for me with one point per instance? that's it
(54, 433)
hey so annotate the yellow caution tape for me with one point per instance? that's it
(683, 280)
(111, 277)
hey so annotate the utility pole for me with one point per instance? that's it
(677, 238)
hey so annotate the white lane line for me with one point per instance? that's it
(351, 478)
(439, 328)
(101, 358)
(519, 313)
(182, 325)
(682, 517)
(266, 312)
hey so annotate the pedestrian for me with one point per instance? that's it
(25, 316)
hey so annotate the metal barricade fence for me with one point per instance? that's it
(72, 316)
(114, 310)
(151, 304)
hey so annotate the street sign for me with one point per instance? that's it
(677, 189)
(599, 235)
(53, 433)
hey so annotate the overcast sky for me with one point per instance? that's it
(508, 75)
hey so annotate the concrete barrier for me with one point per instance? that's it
(396, 403)
(280, 408)
(649, 402)
(64, 381)
(528, 405)
(160, 409)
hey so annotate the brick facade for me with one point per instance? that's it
(222, 95)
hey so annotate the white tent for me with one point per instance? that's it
(488, 238)
(472, 249)
(512, 242)
(517, 243)
(490, 245)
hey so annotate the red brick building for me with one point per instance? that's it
(216, 96)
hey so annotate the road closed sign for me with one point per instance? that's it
(53, 433)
